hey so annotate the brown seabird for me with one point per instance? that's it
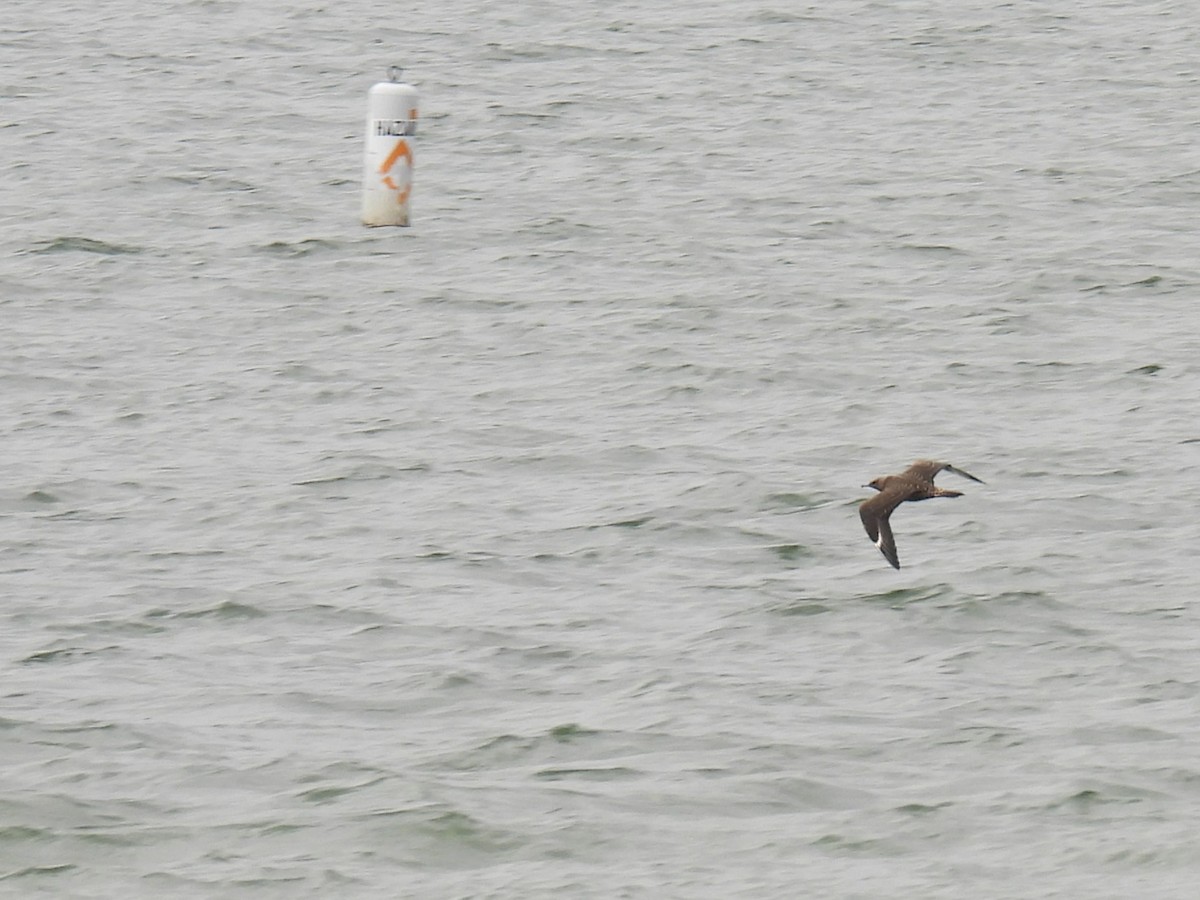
(914, 483)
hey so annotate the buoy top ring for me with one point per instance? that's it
(394, 73)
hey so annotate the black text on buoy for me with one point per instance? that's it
(388, 168)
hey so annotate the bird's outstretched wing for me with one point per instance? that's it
(875, 513)
(926, 469)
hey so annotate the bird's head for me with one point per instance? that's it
(876, 483)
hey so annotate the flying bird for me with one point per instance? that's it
(914, 483)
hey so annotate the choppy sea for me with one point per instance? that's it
(516, 554)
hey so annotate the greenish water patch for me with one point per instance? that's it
(907, 596)
(801, 608)
(570, 732)
(607, 773)
(85, 245)
(228, 610)
(790, 552)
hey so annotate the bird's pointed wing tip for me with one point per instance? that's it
(957, 471)
(887, 543)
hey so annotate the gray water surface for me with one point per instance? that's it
(515, 554)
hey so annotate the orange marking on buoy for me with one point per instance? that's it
(385, 168)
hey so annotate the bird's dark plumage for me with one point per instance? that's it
(914, 483)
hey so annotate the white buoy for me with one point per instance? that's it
(388, 169)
